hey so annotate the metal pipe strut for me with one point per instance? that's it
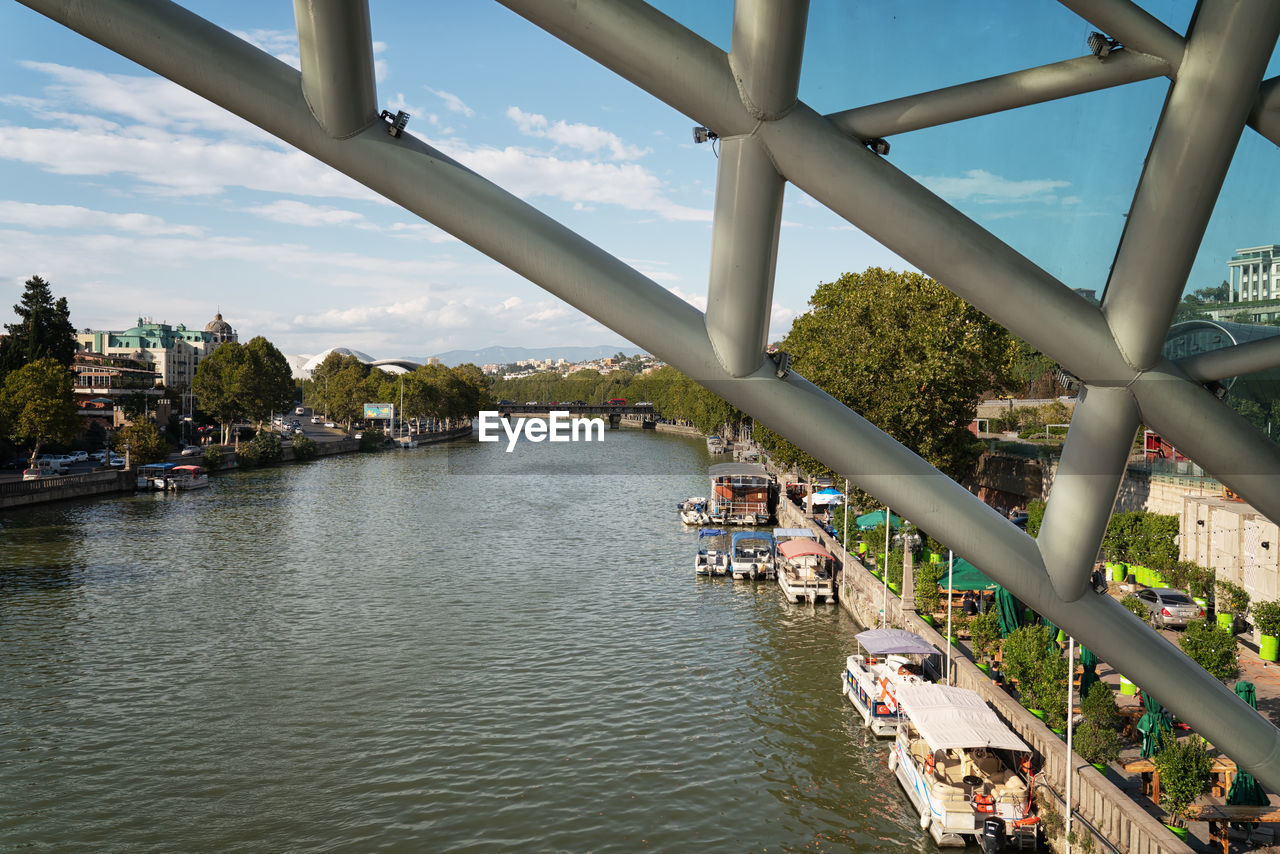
(823, 161)
(335, 46)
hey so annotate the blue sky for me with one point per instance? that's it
(134, 197)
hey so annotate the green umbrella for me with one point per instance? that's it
(1089, 662)
(1154, 721)
(1008, 609)
(1245, 790)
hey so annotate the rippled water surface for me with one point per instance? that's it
(379, 653)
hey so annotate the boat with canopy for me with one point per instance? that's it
(713, 557)
(752, 555)
(806, 572)
(889, 658)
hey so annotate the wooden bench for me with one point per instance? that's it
(1220, 816)
(1222, 774)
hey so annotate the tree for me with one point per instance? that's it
(906, 354)
(38, 405)
(266, 381)
(144, 442)
(43, 330)
(217, 384)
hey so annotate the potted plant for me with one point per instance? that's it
(928, 595)
(1266, 616)
(1097, 738)
(1232, 603)
(1184, 770)
(1200, 585)
(1025, 654)
(959, 626)
(985, 629)
(1212, 647)
(1050, 690)
(1134, 605)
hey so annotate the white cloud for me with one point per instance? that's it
(75, 217)
(282, 44)
(983, 187)
(452, 102)
(582, 137)
(300, 213)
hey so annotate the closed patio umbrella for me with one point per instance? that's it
(1089, 662)
(1246, 791)
(1009, 610)
(1153, 722)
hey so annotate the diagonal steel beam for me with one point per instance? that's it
(1132, 26)
(1216, 87)
(994, 94)
(1246, 358)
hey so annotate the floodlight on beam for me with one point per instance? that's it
(1101, 46)
(701, 135)
(396, 123)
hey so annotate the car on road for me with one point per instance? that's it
(330, 424)
(38, 472)
(315, 419)
(58, 463)
(191, 451)
(117, 462)
(301, 410)
(1169, 608)
(80, 456)
(98, 456)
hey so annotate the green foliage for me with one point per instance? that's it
(1184, 771)
(265, 448)
(1051, 821)
(43, 330)
(1095, 742)
(341, 386)
(1266, 616)
(1231, 598)
(1026, 651)
(1035, 516)
(1099, 706)
(371, 440)
(907, 355)
(37, 404)
(1148, 539)
(1135, 606)
(213, 457)
(1049, 689)
(144, 442)
(1211, 647)
(303, 448)
(891, 566)
(986, 632)
(243, 381)
(927, 576)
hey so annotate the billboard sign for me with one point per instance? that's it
(377, 410)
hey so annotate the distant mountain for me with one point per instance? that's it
(504, 355)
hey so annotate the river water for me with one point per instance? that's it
(446, 649)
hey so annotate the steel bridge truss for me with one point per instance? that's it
(748, 97)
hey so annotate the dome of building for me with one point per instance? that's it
(220, 328)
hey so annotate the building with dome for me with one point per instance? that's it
(172, 351)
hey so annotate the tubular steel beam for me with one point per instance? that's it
(1265, 117)
(223, 69)
(994, 94)
(1085, 487)
(1247, 358)
(1132, 26)
(744, 253)
(335, 45)
(1208, 431)
(768, 44)
(1203, 117)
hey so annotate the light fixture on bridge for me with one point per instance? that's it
(1101, 46)
(396, 123)
(701, 134)
(877, 145)
(783, 362)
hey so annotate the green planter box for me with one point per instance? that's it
(1119, 572)
(934, 557)
(928, 618)
(1180, 832)
(1226, 621)
(1037, 712)
(1101, 766)
(1128, 688)
(984, 667)
(895, 588)
(1267, 648)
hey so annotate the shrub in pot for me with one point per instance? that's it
(1097, 738)
(1266, 616)
(985, 629)
(1134, 605)
(928, 595)
(213, 457)
(1050, 691)
(1026, 654)
(1231, 598)
(1212, 647)
(1184, 770)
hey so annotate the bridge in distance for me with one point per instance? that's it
(613, 412)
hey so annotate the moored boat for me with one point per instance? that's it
(717, 445)
(741, 494)
(182, 478)
(153, 475)
(693, 511)
(713, 557)
(957, 762)
(752, 555)
(806, 572)
(889, 658)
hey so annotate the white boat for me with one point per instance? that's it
(153, 475)
(713, 557)
(957, 762)
(889, 658)
(182, 478)
(717, 445)
(806, 572)
(693, 511)
(752, 555)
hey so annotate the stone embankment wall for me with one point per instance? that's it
(23, 493)
(1110, 814)
(637, 423)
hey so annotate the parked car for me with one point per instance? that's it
(297, 431)
(315, 419)
(98, 456)
(301, 410)
(1168, 607)
(80, 456)
(118, 462)
(191, 451)
(330, 424)
(59, 463)
(37, 473)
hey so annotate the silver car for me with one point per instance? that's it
(1169, 608)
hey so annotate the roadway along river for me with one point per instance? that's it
(447, 649)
